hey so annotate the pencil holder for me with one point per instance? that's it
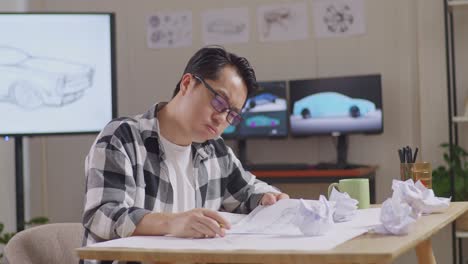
(406, 171)
(422, 171)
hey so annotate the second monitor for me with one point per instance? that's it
(336, 106)
(264, 114)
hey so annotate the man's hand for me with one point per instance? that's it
(198, 223)
(270, 198)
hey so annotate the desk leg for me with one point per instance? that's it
(460, 250)
(424, 252)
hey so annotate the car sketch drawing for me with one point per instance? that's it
(31, 81)
(278, 17)
(226, 27)
(278, 219)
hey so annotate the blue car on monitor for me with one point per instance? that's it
(331, 104)
(262, 121)
(261, 99)
(229, 130)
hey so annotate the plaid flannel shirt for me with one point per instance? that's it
(126, 178)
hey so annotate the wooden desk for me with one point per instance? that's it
(368, 248)
(318, 176)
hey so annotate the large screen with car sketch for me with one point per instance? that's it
(56, 73)
(337, 105)
(265, 114)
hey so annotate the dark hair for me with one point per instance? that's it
(209, 61)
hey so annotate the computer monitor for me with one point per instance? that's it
(265, 114)
(57, 73)
(336, 106)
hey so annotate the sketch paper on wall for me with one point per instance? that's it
(169, 29)
(225, 26)
(335, 18)
(55, 73)
(282, 22)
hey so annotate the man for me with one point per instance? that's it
(168, 171)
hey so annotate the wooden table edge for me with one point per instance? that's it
(240, 256)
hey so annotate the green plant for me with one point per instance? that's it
(441, 175)
(5, 237)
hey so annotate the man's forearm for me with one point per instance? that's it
(153, 224)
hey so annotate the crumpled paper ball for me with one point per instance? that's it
(315, 218)
(397, 217)
(345, 206)
(409, 201)
(421, 199)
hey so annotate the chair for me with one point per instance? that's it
(51, 244)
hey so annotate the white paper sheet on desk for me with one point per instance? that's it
(234, 219)
(278, 219)
(340, 233)
(274, 219)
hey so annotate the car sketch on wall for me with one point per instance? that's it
(226, 27)
(262, 121)
(30, 81)
(265, 102)
(331, 104)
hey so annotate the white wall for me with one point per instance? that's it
(7, 184)
(404, 42)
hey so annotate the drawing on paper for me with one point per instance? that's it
(276, 219)
(283, 22)
(226, 27)
(279, 17)
(338, 18)
(284, 221)
(170, 29)
(32, 81)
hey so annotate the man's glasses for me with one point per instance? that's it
(220, 104)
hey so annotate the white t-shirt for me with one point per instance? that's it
(180, 169)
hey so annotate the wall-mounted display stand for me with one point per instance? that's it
(19, 182)
(453, 118)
